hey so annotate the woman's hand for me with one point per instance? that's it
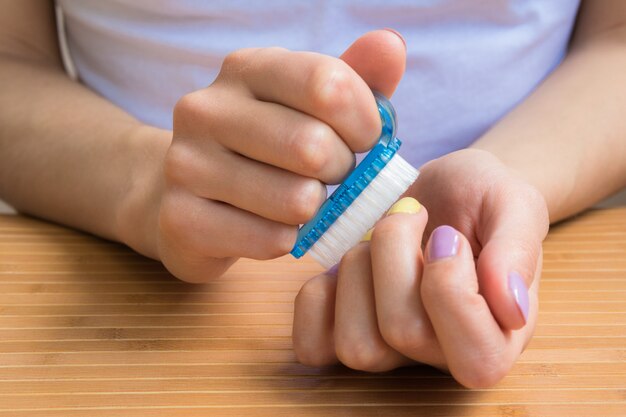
(251, 153)
(460, 304)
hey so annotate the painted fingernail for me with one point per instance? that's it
(367, 236)
(398, 34)
(405, 205)
(444, 243)
(333, 271)
(518, 288)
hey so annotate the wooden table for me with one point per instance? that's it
(88, 328)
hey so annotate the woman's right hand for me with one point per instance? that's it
(251, 153)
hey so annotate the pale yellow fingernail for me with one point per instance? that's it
(367, 236)
(405, 205)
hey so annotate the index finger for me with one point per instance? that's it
(322, 86)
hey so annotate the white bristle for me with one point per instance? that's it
(390, 183)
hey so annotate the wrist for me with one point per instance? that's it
(137, 213)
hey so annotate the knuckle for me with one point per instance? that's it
(282, 240)
(399, 228)
(330, 86)
(312, 352)
(441, 290)
(303, 201)
(235, 61)
(360, 355)
(188, 108)
(309, 349)
(178, 225)
(484, 372)
(173, 224)
(241, 61)
(312, 147)
(318, 288)
(178, 162)
(355, 255)
(389, 228)
(407, 335)
(307, 355)
(202, 270)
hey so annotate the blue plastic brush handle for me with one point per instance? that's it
(359, 178)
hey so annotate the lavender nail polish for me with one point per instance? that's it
(333, 271)
(444, 243)
(517, 286)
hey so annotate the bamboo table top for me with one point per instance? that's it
(88, 328)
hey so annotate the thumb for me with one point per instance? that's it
(379, 57)
(510, 260)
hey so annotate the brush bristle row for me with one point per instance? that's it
(390, 183)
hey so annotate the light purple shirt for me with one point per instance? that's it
(469, 61)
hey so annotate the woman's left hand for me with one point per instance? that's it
(460, 304)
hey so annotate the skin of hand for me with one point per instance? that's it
(83, 162)
(393, 302)
(244, 164)
(250, 153)
(390, 305)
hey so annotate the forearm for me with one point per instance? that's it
(70, 156)
(569, 137)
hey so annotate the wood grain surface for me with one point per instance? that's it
(88, 328)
